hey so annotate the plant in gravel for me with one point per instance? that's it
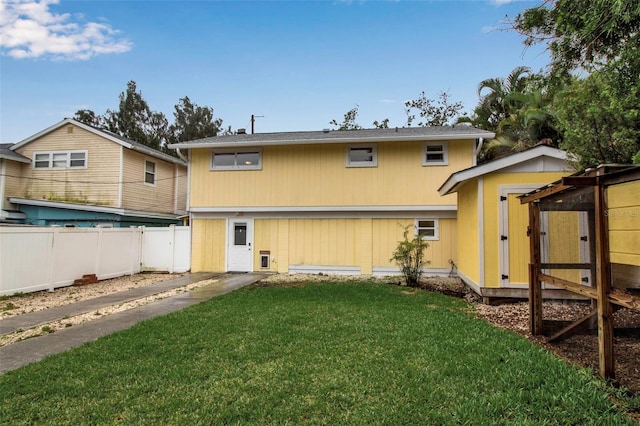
(47, 329)
(409, 256)
(9, 306)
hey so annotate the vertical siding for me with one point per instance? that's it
(97, 184)
(208, 241)
(388, 232)
(564, 243)
(137, 195)
(468, 257)
(624, 223)
(518, 242)
(316, 175)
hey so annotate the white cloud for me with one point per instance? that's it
(501, 2)
(387, 101)
(29, 29)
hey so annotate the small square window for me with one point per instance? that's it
(427, 229)
(77, 159)
(41, 161)
(362, 156)
(434, 154)
(150, 173)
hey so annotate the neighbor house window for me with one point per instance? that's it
(427, 228)
(362, 156)
(149, 172)
(434, 154)
(246, 159)
(60, 160)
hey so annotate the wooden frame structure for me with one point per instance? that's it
(580, 193)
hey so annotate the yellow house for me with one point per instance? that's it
(325, 201)
(493, 247)
(73, 174)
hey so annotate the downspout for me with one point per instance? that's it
(181, 155)
(478, 149)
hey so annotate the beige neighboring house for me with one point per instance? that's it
(73, 174)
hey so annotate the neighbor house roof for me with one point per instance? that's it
(456, 180)
(7, 154)
(91, 208)
(127, 143)
(339, 136)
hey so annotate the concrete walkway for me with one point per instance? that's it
(31, 350)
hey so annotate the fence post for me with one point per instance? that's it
(98, 251)
(172, 242)
(52, 257)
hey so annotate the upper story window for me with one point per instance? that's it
(150, 172)
(362, 156)
(60, 160)
(434, 154)
(244, 159)
(427, 228)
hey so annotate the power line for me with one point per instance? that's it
(93, 182)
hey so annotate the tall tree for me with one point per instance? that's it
(438, 112)
(498, 97)
(349, 120)
(601, 37)
(193, 122)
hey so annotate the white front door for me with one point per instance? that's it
(240, 245)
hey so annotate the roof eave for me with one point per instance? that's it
(455, 181)
(277, 142)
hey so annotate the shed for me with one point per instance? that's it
(493, 248)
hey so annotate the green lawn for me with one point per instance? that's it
(346, 353)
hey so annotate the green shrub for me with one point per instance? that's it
(409, 255)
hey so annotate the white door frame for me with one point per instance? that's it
(239, 260)
(503, 229)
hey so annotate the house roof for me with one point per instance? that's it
(92, 208)
(456, 180)
(339, 136)
(7, 154)
(127, 143)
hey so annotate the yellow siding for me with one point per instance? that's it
(388, 232)
(14, 186)
(208, 238)
(624, 223)
(97, 184)
(492, 214)
(468, 258)
(316, 175)
(323, 242)
(137, 195)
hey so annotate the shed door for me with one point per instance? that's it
(513, 239)
(240, 245)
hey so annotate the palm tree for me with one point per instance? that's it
(496, 97)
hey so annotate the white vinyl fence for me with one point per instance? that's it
(44, 258)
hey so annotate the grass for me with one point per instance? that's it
(344, 353)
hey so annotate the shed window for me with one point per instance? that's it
(427, 228)
(434, 154)
(150, 173)
(362, 156)
(246, 159)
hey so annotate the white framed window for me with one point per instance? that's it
(362, 156)
(60, 160)
(149, 173)
(242, 159)
(427, 229)
(435, 154)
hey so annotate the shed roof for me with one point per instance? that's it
(456, 180)
(339, 136)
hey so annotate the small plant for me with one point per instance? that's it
(47, 329)
(409, 255)
(9, 306)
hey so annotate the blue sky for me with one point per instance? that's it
(299, 64)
